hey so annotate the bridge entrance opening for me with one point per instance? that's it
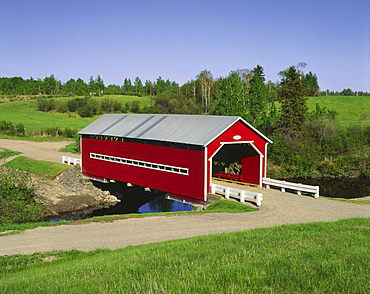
(238, 162)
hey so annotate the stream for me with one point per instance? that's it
(348, 188)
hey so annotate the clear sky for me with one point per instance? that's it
(178, 39)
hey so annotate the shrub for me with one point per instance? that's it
(18, 202)
(8, 128)
(45, 104)
(74, 104)
(110, 106)
(89, 109)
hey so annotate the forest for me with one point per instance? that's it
(306, 143)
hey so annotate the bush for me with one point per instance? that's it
(89, 109)
(110, 106)
(18, 202)
(61, 106)
(8, 128)
(74, 104)
(45, 104)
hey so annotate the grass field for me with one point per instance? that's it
(351, 109)
(25, 112)
(44, 168)
(301, 258)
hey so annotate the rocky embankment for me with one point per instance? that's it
(70, 196)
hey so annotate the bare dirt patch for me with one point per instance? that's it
(70, 196)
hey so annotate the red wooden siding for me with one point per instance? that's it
(251, 170)
(191, 186)
(246, 134)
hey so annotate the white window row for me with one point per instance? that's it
(144, 164)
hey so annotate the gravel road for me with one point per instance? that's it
(47, 151)
(277, 208)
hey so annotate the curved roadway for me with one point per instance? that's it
(277, 208)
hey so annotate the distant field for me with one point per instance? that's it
(25, 112)
(351, 109)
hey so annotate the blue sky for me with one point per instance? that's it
(178, 39)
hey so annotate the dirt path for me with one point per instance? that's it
(277, 208)
(47, 151)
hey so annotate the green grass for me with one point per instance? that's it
(5, 153)
(229, 206)
(25, 112)
(351, 109)
(69, 148)
(348, 200)
(44, 168)
(301, 258)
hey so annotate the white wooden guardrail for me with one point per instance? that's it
(71, 160)
(293, 186)
(242, 194)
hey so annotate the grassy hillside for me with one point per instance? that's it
(25, 112)
(351, 109)
(302, 258)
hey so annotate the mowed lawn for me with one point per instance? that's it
(301, 258)
(26, 112)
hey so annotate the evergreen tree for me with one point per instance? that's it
(294, 108)
(257, 97)
(258, 70)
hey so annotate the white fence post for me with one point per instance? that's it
(227, 192)
(259, 199)
(71, 160)
(242, 196)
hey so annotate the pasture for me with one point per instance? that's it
(351, 109)
(26, 112)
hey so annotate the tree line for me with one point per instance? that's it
(201, 88)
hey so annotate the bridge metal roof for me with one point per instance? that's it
(186, 129)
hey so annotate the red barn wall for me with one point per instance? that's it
(191, 185)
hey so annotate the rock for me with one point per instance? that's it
(70, 196)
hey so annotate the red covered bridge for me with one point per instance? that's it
(178, 154)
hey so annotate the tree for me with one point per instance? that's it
(258, 70)
(257, 100)
(347, 92)
(138, 85)
(206, 81)
(51, 85)
(231, 96)
(99, 85)
(127, 86)
(294, 108)
(149, 88)
(311, 83)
